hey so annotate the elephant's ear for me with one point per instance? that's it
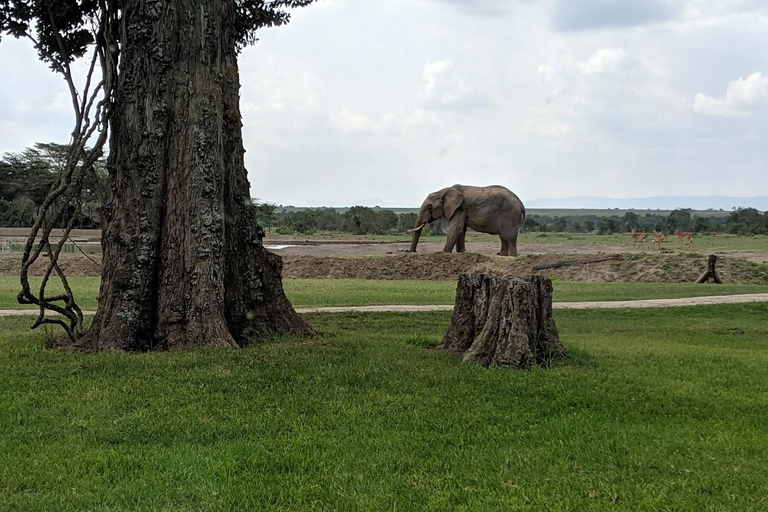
(452, 200)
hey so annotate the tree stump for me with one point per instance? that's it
(711, 272)
(504, 322)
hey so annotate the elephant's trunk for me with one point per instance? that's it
(415, 239)
(422, 220)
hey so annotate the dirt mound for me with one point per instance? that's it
(430, 266)
(439, 266)
(72, 265)
(650, 268)
(677, 267)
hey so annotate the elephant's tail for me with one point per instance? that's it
(522, 221)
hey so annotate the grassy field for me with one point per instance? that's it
(86, 290)
(352, 292)
(653, 410)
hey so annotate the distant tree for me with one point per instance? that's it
(701, 225)
(631, 220)
(265, 212)
(304, 222)
(609, 225)
(386, 221)
(678, 220)
(406, 221)
(358, 219)
(559, 225)
(17, 213)
(531, 224)
(25, 174)
(652, 222)
(747, 221)
(31, 173)
(362, 220)
(328, 219)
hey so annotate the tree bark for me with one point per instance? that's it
(184, 262)
(504, 322)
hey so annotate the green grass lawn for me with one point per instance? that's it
(352, 292)
(653, 410)
(86, 290)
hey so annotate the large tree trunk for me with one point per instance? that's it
(504, 322)
(184, 262)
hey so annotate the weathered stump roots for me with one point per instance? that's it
(504, 322)
(711, 272)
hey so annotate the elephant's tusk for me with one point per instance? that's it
(418, 228)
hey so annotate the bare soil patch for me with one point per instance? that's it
(377, 260)
(21, 234)
(73, 265)
(678, 267)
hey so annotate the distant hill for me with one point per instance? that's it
(652, 203)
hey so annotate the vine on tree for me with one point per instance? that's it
(62, 31)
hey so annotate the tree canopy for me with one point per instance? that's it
(27, 177)
(62, 30)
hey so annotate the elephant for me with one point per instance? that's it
(493, 209)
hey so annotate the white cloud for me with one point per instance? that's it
(741, 98)
(555, 129)
(546, 73)
(281, 90)
(349, 122)
(721, 8)
(62, 103)
(481, 7)
(445, 89)
(605, 60)
(551, 97)
(582, 15)
(422, 118)
(419, 121)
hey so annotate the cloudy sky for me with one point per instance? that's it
(359, 102)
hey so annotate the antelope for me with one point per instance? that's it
(658, 238)
(713, 233)
(638, 237)
(683, 236)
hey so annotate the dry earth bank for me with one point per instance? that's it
(665, 267)
(371, 259)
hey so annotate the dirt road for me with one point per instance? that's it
(622, 304)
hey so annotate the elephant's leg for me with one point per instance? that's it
(504, 247)
(512, 247)
(509, 247)
(461, 242)
(455, 231)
